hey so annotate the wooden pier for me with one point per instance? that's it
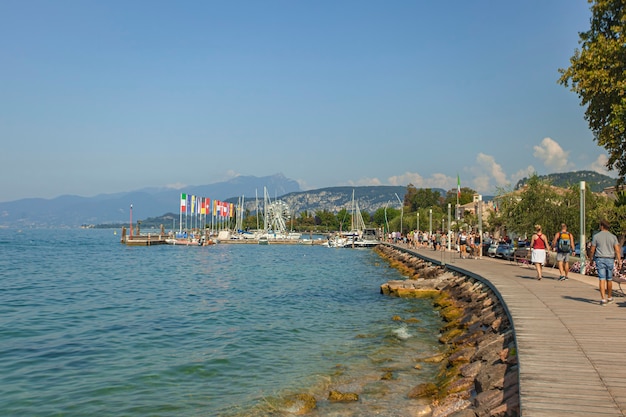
(142, 240)
(571, 350)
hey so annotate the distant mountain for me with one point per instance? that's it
(73, 211)
(333, 199)
(595, 181)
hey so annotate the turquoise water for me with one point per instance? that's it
(90, 326)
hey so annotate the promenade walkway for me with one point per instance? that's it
(571, 350)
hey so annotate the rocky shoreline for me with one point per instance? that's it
(479, 371)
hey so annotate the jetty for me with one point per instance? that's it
(142, 240)
(571, 350)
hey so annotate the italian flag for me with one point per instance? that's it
(183, 203)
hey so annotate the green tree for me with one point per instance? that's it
(598, 75)
(537, 203)
(410, 195)
(326, 219)
(424, 198)
(344, 219)
(467, 195)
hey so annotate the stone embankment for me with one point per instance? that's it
(479, 371)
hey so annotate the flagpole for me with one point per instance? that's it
(458, 195)
(180, 214)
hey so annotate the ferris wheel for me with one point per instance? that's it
(277, 213)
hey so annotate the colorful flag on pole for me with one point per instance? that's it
(458, 188)
(183, 203)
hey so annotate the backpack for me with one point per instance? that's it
(564, 245)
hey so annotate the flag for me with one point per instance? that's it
(203, 206)
(231, 210)
(458, 188)
(193, 203)
(183, 203)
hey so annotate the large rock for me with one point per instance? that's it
(490, 377)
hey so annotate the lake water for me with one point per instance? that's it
(89, 326)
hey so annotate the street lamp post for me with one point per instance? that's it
(430, 216)
(387, 222)
(401, 212)
(583, 244)
(449, 234)
(480, 225)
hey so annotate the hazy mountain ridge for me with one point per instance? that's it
(73, 211)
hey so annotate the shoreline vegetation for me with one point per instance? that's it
(479, 370)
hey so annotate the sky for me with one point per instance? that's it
(113, 96)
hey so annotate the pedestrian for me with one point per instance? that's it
(462, 242)
(563, 242)
(605, 251)
(538, 244)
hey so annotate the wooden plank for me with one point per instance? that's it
(571, 350)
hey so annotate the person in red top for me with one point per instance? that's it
(538, 246)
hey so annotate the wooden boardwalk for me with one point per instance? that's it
(571, 350)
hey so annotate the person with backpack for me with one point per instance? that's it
(538, 245)
(563, 242)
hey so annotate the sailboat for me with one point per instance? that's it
(359, 236)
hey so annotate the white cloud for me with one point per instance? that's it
(482, 184)
(599, 165)
(176, 185)
(485, 175)
(303, 185)
(492, 168)
(437, 180)
(553, 156)
(364, 182)
(523, 173)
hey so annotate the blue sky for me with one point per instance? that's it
(112, 96)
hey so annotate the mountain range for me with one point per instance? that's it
(74, 211)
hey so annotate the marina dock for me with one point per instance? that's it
(571, 350)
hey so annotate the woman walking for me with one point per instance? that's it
(539, 245)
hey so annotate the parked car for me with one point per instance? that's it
(505, 250)
(486, 245)
(491, 251)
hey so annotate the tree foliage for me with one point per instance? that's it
(598, 75)
(424, 198)
(540, 203)
(467, 195)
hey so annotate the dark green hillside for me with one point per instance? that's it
(595, 181)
